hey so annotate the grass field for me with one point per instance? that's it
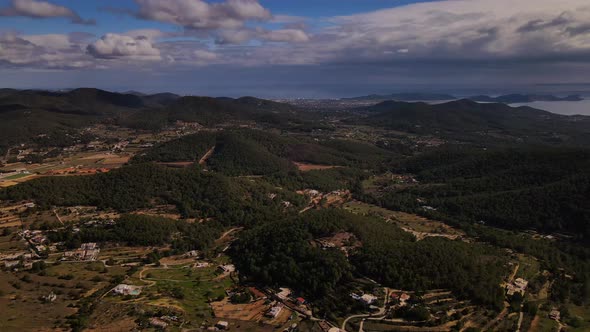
(528, 267)
(402, 219)
(15, 177)
(186, 288)
(582, 312)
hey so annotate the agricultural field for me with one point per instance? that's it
(22, 293)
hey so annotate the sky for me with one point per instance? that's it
(297, 48)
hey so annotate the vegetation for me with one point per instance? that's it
(487, 123)
(282, 254)
(196, 194)
(538, 188)
(141, 230)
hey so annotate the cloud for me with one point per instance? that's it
(43, 51)
(42, 9)
(116, 46)
(454, 30)
(284, 35)
(243, 35)
(441, 34)
(539, 24)
(204, 55)
(576, 30)
(201, 15)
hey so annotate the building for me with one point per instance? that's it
(521, 283)
(368, 298)
(124, 289)
(518, 286)
(222, 325)
(228, 268)
(300, 301)
(284, 293)
(274, 311)
(365, 298)
(88, 246)
(156, 322)
(200, 265)
(87, 252)
(403, 298)
(49, 298)
(11, 264)
(192, 253)
(554, 314)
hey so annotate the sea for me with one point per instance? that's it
(561, 107)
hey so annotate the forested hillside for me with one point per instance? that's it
(535, 188)
(195, 194)
(282, 253)
(256, 152)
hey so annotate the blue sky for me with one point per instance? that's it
(282, 48)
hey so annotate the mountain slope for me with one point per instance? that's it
(468, 120)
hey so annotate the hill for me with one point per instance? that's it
(25, 114)
(479, 122)
(520, 188)
(256, 152)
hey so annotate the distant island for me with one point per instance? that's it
(506, 99)
(520, 98)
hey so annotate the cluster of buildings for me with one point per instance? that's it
(18, 260)
(86, 252)
(318, 198)
(36, 238)
(163, 322)
(518, 286)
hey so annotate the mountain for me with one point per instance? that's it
(410, 96)
(164, 98)
(25, 114)
(83, 100)
(520, 98)
(468, 120)
(258, 152)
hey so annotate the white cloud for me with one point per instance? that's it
(462, 29)
(41, 9)
(260, 34)
(198, 14)
(151, 34)
(204, 55)
(451, 30)
(284, 35)
(45, 51)
(112, 46)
